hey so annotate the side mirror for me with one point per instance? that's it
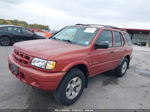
(101, 45)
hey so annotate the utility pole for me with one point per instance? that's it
(44, 17)
(149, 40)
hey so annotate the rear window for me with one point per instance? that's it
(128, 38)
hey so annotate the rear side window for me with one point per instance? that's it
(106, 36)
(128, 38)
(119, 39)
(17, 30)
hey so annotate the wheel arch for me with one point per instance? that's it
(128, 57)
(81, 66)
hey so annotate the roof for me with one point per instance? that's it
(109, 26)
(99, 26)
(9, 25)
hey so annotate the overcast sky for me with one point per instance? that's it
(59, 13)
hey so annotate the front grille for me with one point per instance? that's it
(21, 58)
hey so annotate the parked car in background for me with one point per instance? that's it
(9, 34)
(140, 43)
(45, 34)
(64, 63)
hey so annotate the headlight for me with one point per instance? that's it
(37, 62)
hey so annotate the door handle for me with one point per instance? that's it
(112, 52)
(125, 50)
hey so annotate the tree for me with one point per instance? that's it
(24, 24)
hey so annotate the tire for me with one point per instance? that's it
(122, 68)
(5, 41)
(64, 94)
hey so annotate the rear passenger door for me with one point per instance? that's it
(119, 46)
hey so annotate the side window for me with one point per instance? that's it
(17, 30)
(106, 36)
(10, 29)
(27, 32)
(119, 39)
(128, 39)
(14, 29)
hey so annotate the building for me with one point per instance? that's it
(139, 35)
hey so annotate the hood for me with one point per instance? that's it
(46, 48)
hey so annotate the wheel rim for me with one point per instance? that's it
(5, 40)
(124, 67)
(73, 88)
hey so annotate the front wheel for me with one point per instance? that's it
(122, 68)
(71, 87)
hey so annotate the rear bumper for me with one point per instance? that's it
(37, 78)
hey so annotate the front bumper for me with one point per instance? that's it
(37, 78)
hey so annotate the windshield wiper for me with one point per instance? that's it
(54, 38)
(62, 40)
(67, 40)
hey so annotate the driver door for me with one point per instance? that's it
(103, 58)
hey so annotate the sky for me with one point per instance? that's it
(60, 13)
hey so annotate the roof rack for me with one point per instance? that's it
(107, 26)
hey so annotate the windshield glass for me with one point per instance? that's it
(77, 35)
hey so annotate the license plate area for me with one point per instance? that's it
(14, 69)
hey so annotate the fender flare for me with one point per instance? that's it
(123, 59)
(74, 64)
(71, 65)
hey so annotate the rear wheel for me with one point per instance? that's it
(121, 69)
(5, 41)
(71, 87)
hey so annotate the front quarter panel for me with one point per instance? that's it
(66, 61)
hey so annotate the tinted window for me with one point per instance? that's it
(10, 29)
(27, 32)
(118, 39)
(17, 30)
(106, 36)
(128, 38)
(14, 29)
(3, 28)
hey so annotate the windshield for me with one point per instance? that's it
(76, 35)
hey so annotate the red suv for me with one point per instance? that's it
(64, 63)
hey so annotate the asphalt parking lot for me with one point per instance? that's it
(105, 91)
